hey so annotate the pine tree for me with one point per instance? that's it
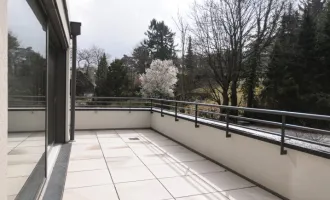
(117, 79)
(160, 42)
(190, 56)
(101, 76)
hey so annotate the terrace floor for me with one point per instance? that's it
(143, 165)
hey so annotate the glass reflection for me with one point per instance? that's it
(27, 83)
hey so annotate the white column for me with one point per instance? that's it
(3, 98)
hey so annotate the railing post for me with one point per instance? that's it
(151, 106)
(176, 111)
(161, 109)
(228, 135)
(283, 151)
(196, 113)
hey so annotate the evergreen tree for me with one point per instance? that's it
(101, 76)
(280, 88)
(117, 79)
(190, 56)
(160, 42)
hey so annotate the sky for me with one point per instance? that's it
(118, 26)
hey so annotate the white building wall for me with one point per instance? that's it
(3, 98)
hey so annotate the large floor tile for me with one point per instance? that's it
(32, 143)
(142, 190)
(23, 159)
(130, 174)
(156, 159)
(186, 186)
(111, 140)
(13, 144)
(14, 185)
(102, 192)
(20, 170)
(168, 170)
(120, 162)
(28, 150)
(12, 137)
(201, 167)
(84, 155)
(225, 181)
(147, 150)
(254, 193)
(175, 149)
(122, 152)
(12, 197)
(161, 143)
(79, 141)
(82, 165)
(85, 147)
(110, 146)
(87, 178)
(85, 134)
(107, 134)
(210, 196)
(184, 157)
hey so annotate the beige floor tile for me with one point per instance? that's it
(137, 139)
(129, 174)
(182, 186)
(102, 192)
(184, 157)
(85, 147)
(23, 159)
(13, 144)
(142, 190)
(82, 165)
(175, 149)
(14, 185)
(110, 146)
(32, 143)
(87, 178)
(79, 141)
(122, 152)
(85, 134)
(147, 150)
(19, 136)
(211, 196)
(201, 167)
(168, 170)
(11, 197)
(161, 143)
(225, 181)
(36, 137)
(120, 162)
(20, 170)
(156, 159)
(111, 140)
(107, 134)
(254, 193)
(28, 150)
(85, 155)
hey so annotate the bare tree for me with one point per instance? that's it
(225, 29)
(182, 26)
(221, 29)
(267, 16)
(90, 57)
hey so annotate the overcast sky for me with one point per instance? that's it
(119, 25)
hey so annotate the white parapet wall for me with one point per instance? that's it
(112, 119)
(28, 120)
(296, 176)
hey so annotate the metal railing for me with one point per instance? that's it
(228, 115)
(19, 101)
(280, 122)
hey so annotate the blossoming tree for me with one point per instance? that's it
(159, 80)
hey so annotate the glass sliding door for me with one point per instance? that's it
(27, 99)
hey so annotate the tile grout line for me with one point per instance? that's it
(148, 168)
(19, 143)
(105, 160)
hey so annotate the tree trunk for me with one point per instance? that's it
(233, 98)
(251, 86)
(225, 97)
